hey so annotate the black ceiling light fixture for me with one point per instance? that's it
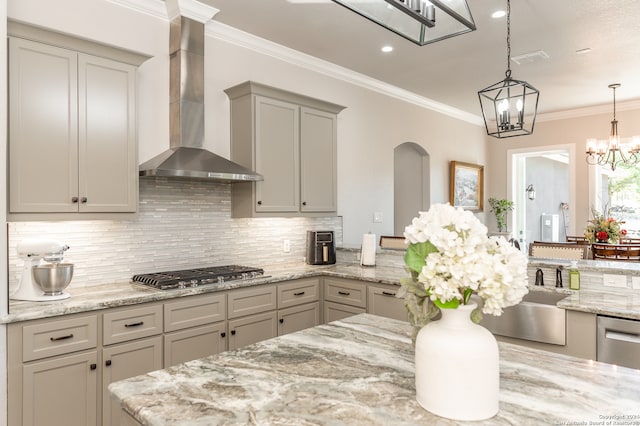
(420, 21)
(509, 107)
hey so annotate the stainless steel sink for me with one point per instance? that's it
(536, 318)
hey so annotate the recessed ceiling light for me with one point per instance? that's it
(498, 14)
(387, 49)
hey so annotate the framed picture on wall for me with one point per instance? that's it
(466, 184)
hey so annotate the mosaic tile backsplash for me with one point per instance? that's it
(180, 224)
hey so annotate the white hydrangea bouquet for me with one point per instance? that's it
(450, 258)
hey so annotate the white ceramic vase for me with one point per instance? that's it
(457, 367)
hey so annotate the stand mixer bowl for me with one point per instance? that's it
(53, 278)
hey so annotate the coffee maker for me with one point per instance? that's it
(321, 249)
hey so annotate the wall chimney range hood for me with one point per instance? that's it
(186, 157)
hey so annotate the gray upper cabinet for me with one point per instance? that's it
(291, 140)
(72, 129)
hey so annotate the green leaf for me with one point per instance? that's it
(466, 295)
(416, 254)
(451, 304)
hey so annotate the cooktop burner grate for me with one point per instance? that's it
(198, 276)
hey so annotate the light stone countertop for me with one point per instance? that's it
(360, 371)
(621, 303)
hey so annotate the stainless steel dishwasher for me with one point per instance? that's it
(619, 341)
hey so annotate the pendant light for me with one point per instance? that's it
(509, 107)
(612, 154)
(420, 21)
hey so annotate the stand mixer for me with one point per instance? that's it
(34, 251)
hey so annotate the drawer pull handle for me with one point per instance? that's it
(281, 320)
(55, 339)
(388, 293)
(93, 366)
(300, 293)
(223, 334)
(344, 293)
(233, 332)
(135, 324)
(107, 362)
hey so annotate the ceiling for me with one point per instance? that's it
(453, 70)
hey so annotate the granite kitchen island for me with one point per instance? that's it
(360, 371)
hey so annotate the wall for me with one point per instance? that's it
(373, 123)
(3, 214)
(562, 131)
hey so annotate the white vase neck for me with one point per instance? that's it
(458, 317)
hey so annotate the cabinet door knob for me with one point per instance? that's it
(233, 332)
(259, 203)
(223, 334)
(281, 320)
(83, 200)
(304, 203)
(74, 199)
(107, 362)
(93, 366)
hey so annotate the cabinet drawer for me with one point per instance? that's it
(347, 292)
(383, 302)
(132, 324)
(194, 311)
(298, 292)
(251, 301)
(59, 337)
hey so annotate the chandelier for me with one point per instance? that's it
(612, 154)
(420, 21)
(509, 107)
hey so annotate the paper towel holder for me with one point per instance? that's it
(368, 250)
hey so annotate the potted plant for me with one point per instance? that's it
(500, 208)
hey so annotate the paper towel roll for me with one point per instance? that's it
(368, 250)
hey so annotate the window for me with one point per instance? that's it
(619, 193)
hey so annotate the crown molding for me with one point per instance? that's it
(588, 111)
(155, 8)
(249, 41)
(191, 9)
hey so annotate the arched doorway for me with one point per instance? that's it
(410, 184)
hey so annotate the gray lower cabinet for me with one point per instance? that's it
(252, 328)
(382, 301)
(126, 360)
(298, 318)
(60, 391)
(194, 327)
(52, 372)
(343, 298)
(252, 315)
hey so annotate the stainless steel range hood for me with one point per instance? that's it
(186, 157)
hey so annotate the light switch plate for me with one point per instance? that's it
(611, 280)
(635, 283)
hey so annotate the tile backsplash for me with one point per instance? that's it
(180, 224)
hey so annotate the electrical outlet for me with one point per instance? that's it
(286, 246)
(377, 217)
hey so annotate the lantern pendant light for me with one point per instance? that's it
(509, 107)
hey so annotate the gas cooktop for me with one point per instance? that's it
(196, 277)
